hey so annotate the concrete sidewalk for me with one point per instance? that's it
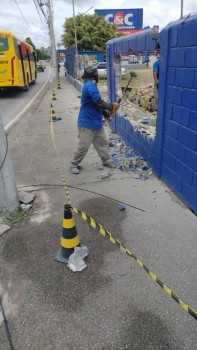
(113, 304)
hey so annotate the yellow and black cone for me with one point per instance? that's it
(53, 95)
(58, 85)
(69, 239)
(53, 115)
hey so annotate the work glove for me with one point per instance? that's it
(115, 107)
(106, 113)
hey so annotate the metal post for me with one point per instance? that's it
(181, 8)
(9, 201)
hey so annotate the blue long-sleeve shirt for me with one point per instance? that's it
(90, 116)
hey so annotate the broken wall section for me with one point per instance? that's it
(173, 152)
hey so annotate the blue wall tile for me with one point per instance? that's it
(188, 137)
(181, 115)
(194, 184)
(177, 57)
(168, 160)
(171, 128)
(184, 172)
(193, 121)
(191, 57)
(173, 95)
(189, 99)
(190, 195)
(172, 178)
(184, 77)
(191, 159)
(171, 75)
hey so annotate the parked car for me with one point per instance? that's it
(39, 67)
(125, 58)
(133, 59)
(102, 70)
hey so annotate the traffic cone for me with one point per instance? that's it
(53, 95)
(58, 85)
(53, 115)
(69, 239)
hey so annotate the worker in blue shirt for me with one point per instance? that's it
(156, 67)
(90, 122)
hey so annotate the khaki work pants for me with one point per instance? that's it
(86, 138)
(156, 94)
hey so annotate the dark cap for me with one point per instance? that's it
(90, 73)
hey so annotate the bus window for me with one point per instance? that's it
(16, 48)
(4, 43)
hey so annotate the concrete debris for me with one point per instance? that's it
(25, 197)
(139, 108)
(75, 261)
(83, 251)
(25, 207)
(103, 176)
(144, 97)
(128, 160)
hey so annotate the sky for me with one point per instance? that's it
(21, 17)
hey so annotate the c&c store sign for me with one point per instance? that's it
(128, 21)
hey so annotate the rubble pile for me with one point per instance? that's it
(141, 119)
(127, 159)
(144, 97)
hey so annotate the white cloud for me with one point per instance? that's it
(28, 24)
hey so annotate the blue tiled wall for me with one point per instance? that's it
(179, 109)
(173, 153)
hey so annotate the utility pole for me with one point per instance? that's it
(76, 48)
(52, 37)
(9, 201)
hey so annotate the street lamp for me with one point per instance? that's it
(87, 10)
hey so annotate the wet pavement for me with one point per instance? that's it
(113, 304)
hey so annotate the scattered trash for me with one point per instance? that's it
(144, 177)
(99, 166)
(121, 167)
(104, 175)
(25, 207)
(121, 207)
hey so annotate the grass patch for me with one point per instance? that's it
(14, 217)
(144, 77)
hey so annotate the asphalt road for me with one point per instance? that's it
(14, 101)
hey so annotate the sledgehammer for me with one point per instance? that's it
(115, 107)
(132, 75)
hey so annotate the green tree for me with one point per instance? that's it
(92, 32)
(39, 54)
(28, 40)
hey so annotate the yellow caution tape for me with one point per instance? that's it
(115, 241)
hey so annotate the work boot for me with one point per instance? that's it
(74, 170)
(110, 165)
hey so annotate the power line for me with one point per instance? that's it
(39, 8)
(22, 15)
